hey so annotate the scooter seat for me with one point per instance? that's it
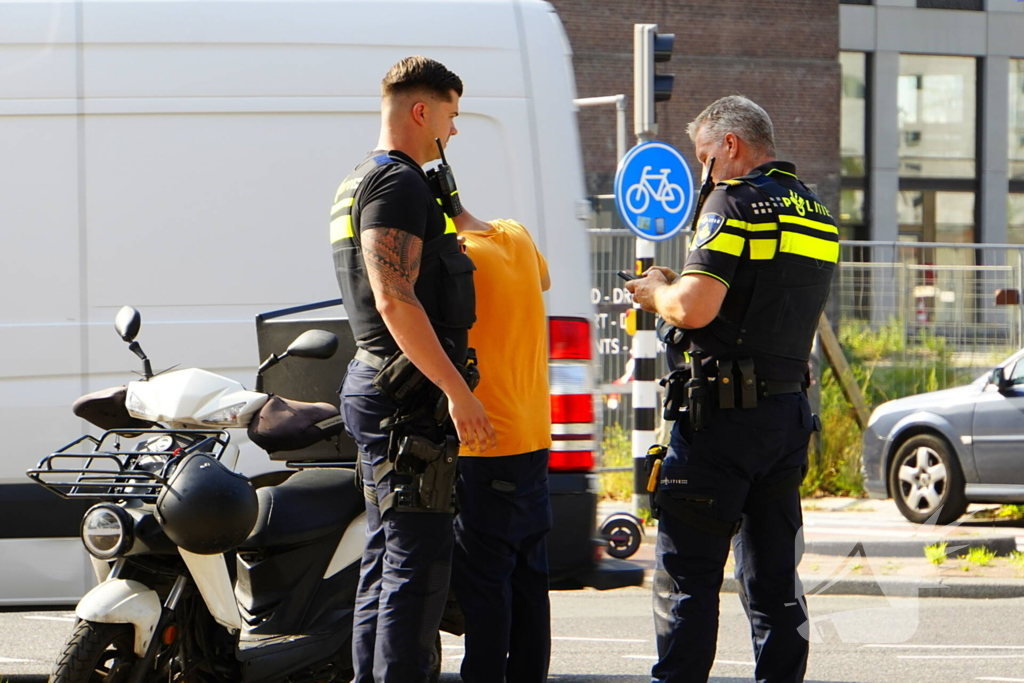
(309, 505)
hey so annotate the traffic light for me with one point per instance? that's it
(649, 87)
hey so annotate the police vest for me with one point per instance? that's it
(773, 309)
(445, 284)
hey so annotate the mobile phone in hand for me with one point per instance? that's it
(627, 276)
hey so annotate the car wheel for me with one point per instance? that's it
(926, 481)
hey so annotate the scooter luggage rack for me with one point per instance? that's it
(118, 474)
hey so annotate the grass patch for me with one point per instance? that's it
(617, 451)
(936, 553)
(980, 556)
(1007, 513)
(1017, 559)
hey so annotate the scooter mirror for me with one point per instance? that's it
(318, 344)
(127, 323)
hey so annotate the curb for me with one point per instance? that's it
(1002, 545)
(898, 587)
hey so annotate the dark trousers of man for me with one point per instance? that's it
(731, 472)
(406, 567)
(500, 567)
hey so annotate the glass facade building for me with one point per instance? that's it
(932, 121)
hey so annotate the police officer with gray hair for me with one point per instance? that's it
(738, 323)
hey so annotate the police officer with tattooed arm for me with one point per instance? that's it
(406, 399)
(738, 323)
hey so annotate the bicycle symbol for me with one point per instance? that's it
(670, 195)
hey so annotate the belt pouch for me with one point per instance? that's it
(726, 385)
(748, 383)
(675, 395)
(399, 379)
(698, 399)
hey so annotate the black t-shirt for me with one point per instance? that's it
(397, 195)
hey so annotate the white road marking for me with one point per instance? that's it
(599, 640)
(996, 678)
(959, 656)
(717, 661)
(42, 618)
(949, 647)
(9, 660)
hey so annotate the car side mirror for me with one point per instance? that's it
(127, 323)
(317, 344)
(1002, 382)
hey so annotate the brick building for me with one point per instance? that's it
(783, 55)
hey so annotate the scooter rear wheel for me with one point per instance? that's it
(624, 536)
(96, 653)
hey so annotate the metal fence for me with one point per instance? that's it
(913, 317)
(926, 316)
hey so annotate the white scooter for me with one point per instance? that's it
(203, 576)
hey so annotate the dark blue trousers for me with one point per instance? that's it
(500, 567)
(406, 567)
(727, 473)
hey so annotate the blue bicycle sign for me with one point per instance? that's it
(654, 190)
(669, 194)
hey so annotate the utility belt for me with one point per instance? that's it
(692, 393)
(431, 464)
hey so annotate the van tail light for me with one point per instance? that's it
(571, 376)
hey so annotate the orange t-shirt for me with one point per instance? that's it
(511, 337)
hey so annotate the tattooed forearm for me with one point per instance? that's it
(393, 262)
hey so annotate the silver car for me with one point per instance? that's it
(934, 453)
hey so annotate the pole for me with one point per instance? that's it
(620, 118)
(645, 387)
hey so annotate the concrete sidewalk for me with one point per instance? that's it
(865, 547)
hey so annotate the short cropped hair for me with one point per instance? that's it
(737, 115)
(421, 74)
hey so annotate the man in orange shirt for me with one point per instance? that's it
(500, 564)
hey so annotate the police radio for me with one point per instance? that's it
(705, 189)
(443, 181)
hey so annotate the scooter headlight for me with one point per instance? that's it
(225, 417)
(106, 531)
(137, 407)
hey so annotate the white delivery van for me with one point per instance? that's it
(181, 156)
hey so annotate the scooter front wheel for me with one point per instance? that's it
(97, 653)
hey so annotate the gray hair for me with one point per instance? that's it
(739, 116)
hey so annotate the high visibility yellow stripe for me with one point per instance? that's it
(808, 223)
(449, 224)
(343, 204)
(704, 272)
(341, 228)
(762, 250)
(779, 170)
(811, 247)
(751, 227)
(727, 243)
